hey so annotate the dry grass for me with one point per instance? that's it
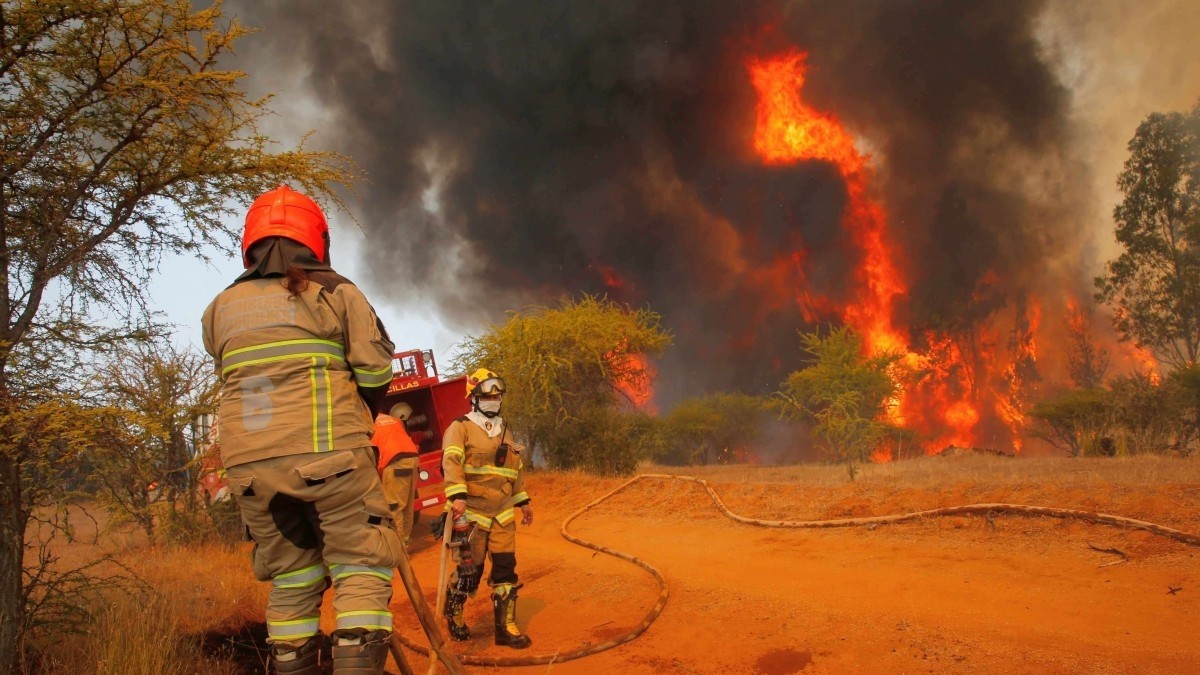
(136, 639)
(194, 595)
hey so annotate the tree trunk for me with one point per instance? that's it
(12, 545)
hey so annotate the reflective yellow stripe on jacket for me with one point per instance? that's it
(279, 351)
(453, 453)
(489, 470)
(322, 404)
(373, 378)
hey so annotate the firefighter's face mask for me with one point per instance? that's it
(488, 405)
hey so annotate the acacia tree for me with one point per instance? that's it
(123, 141)
(151, 392)
(845, 393)
(570, 371)
(1077, 421)
(1154, 285)
(1149, 414)
(1134, 414)
(700, 429)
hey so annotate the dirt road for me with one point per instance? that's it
(947, 595)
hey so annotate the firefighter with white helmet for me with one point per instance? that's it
(484, 469)
(398, 461)
(304, 362)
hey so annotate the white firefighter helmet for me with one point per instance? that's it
(401, 411)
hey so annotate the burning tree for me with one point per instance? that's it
(967, 387)
(1087, 361)
(848, 395)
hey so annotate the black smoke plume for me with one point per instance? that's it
(519, 151)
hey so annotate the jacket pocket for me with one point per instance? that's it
(387, 549)
(326, 469)
(478, 458)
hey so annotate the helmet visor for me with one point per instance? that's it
(493, 386)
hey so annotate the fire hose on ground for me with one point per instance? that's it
(964, 510)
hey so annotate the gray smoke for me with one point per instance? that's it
(521, 151)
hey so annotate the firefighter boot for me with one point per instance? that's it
(504, 606)
(297, 660)
(456, 624)
(360, 652)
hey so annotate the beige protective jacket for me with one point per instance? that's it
(291, 367)
(492, 488)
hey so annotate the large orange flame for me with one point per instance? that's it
(788, 130)
(1146, 364)
(970, 384)
(632, 374)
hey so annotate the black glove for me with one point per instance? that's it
(468, 582)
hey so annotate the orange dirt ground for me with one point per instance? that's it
(945, 595)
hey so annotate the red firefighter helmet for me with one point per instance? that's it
(283, 212)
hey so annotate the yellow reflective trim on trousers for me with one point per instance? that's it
(505, 517)
(280, 351)
(294, 629)
(301, 578)
(491, 471)
(367, 618)
(342, 571)
(373, 378)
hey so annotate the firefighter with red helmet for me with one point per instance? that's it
(485, 472)
(397, 465)
(304, 362)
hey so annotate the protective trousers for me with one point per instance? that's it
(500, 543)
(314, 517)
(400, 489)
